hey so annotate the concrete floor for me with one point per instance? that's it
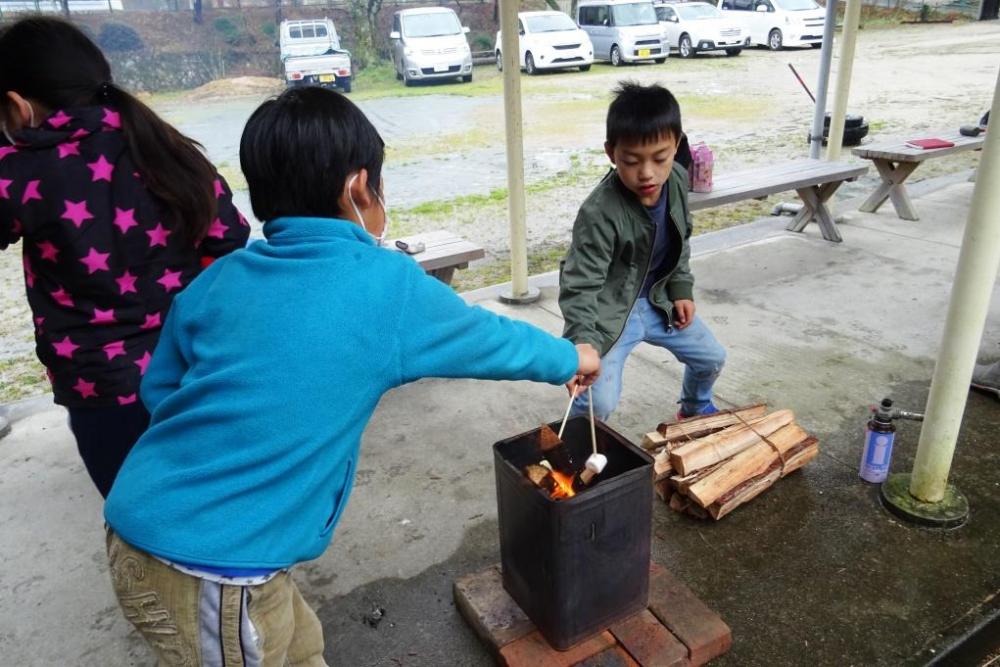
(813, 572)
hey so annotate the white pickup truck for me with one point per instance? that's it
(311, 55)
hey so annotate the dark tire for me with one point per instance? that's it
(684, 47)
(346, 86)
(817, 46)
(659, 61)
(584, 68)
(467, 78)
(733, 52)
(399, 77)
(616, 56)
(499, 61)
(529, 64)
(407, 81)
(775, 40)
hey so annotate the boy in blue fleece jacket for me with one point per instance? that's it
(269, 367)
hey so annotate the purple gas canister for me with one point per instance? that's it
(880, 433)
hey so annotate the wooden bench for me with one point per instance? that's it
(444, 252)
(895, 162)
(815, 181)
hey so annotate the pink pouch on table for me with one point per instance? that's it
(702, 161)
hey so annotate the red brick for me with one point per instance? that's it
(487, 607)
(649, 642)
(534, 651)
(613, 657)
(688, 618)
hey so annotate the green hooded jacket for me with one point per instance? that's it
(609, 257)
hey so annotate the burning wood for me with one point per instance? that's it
(555, 483)
(725, 468)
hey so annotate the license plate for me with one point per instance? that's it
(643, 53)
(327, 78)
(440, 68)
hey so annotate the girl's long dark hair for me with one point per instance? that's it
(52, 62)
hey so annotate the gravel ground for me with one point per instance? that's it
(445, 167)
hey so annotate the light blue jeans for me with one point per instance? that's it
(693, 346)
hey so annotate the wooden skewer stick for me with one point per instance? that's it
(593, 431)
(568, 408)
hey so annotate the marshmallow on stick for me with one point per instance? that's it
(594, 467)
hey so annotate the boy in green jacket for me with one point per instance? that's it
(626, 279)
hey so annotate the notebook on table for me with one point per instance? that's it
(928, 144)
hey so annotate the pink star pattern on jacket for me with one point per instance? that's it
(125, 219)
(143, 362)
(152, 322)
(217, 230)
(96, 261)
(101, 170)
(67, 149)
(86, 389)
(126, 283)
(112, 119)
(77, 213)
(65, 347)
(102, 259)
(114, 349)
(59, 119)
(158, 235)
(103, 316)
(31, 192)
(170, 280)
(62, 297)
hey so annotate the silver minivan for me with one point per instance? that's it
(623, 31)
(430, 43)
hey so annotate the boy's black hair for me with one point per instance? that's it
(642, 114)
(298, 149)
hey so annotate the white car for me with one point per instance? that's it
(429, 43)
(778, 23)
(698, 26)
(549, 40)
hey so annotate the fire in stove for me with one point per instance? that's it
(557, 472)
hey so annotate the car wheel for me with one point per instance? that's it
(584, 68)
(346, 86)
(407, 81)
(684, 47)
(399, 76)
(499, 62)
(733, 52)
(616, 56)
(817, 45)
(774, 40)
(659, 61)
(467, 78)
(529, 63)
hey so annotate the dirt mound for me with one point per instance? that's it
(242, 86)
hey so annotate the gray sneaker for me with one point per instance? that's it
(986, 378)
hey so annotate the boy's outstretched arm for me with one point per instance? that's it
(584, 274)
(442, 336)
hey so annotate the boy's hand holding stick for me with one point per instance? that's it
(588, 370)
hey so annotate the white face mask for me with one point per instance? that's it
(380, 239)
(31, 123)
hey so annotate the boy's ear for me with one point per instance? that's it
(359, 189)
(609, 150)
(19, 107)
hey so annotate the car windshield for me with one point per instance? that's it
(634, 13)
(431, 25)
(700, 11)
(550, 23)
(796, 5)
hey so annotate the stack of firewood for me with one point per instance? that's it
(708, 466)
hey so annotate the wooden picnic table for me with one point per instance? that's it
(444, 252)
(895, 162)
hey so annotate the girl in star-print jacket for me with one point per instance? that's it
(116, 212)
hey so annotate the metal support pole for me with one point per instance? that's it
(849, 39)
(823, 82)
(509, 45)
(928, 491)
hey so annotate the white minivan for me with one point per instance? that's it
(430, 43)
(623, 31)
(778, 23)
(548, 40)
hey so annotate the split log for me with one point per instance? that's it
(745, 465)
(679, 503)
(683, 482)
(726, 443)
(697, 427)
(555, 450)
(661, 465)
(540, 476)
(653, 440)
(663, 490)
(796, 457)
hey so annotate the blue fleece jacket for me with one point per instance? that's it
(269, 366)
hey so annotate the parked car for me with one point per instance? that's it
(698, 26)
(430, 43)
(549, 40)
(778, 23)
(311, 55)
(623, 31)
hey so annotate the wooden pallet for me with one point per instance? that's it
(675, 630)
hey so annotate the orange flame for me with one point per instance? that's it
(564, 485)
